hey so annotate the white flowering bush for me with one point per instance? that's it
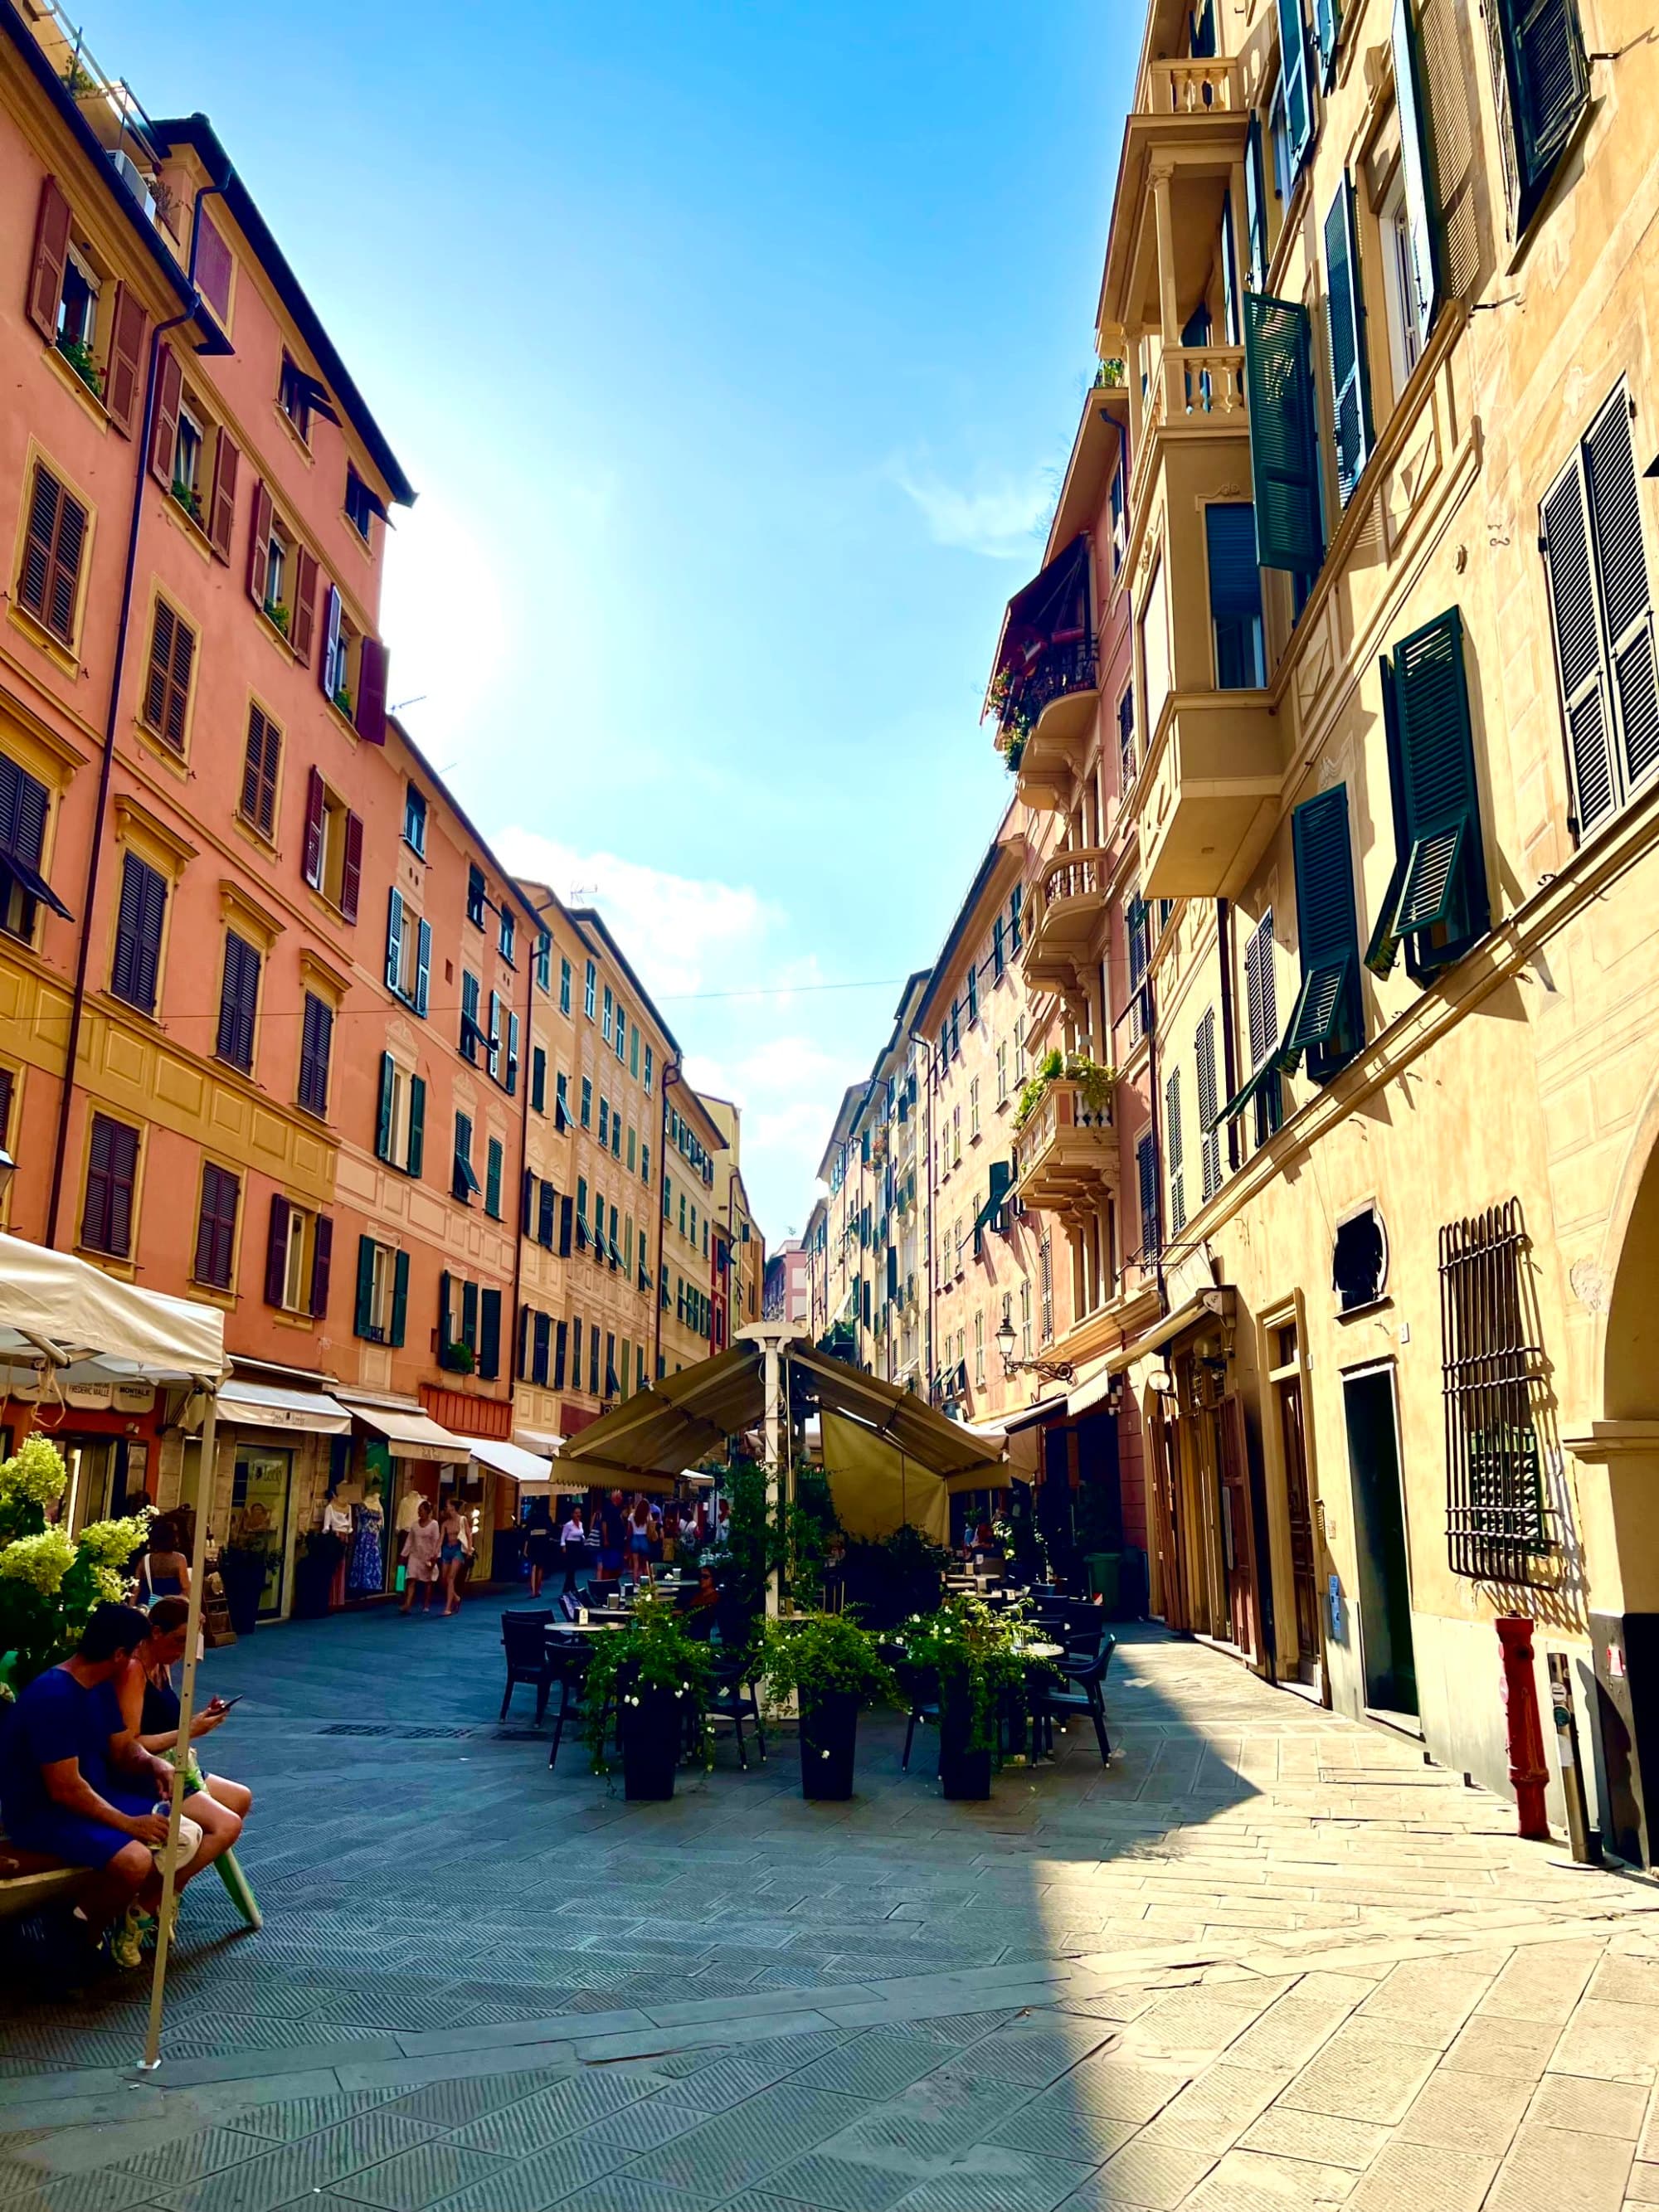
(49, 1581)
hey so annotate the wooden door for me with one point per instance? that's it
(1238, 1531)
(1305, 1572)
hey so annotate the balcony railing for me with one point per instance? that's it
(1049, 711)
(1193, 87)
(1192, 389)
(1066, 1152)
(1063, 915)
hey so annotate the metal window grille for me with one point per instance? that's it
(1496, 1524)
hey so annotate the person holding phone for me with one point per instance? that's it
(150, 1706)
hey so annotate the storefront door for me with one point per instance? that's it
(1237, 1529)
(1385, 1600)
(103, 1472)
(258, 1514)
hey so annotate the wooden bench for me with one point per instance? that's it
(30, 1878)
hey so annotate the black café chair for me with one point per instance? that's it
(919, 1686)
(569, 1655)
(523, 1639)
(1080, 1688)
(732, 1692)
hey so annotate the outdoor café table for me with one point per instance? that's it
(1020, 1706)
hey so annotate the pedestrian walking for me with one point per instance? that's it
(455, 1548)
(639, 1540)
(538, 1542)
(422, 1542)
(613, 1534)
(573, 1541)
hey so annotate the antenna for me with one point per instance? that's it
(580, 892)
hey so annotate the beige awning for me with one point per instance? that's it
(409, 1433)
(53, 1300)
(527, 1469)
(257, 1405)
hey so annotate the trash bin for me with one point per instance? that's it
(1134, 1590)
(1103, 1568)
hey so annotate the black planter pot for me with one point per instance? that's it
(963, 1771)
(829, 1737)
(650, 1733)
(243, 1574)
(313, 1578)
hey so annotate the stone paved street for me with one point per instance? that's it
(1267, 1961)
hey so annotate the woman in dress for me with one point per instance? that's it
(639, 1540)
(455, 1547)
(537, 1542)
(164, 1572)
(422, 1541)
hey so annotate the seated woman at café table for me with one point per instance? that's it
(75, 1787)
(707, 1592)
(150, 1706)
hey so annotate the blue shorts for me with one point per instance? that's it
(640, 1540)
(72, 1837)
(610, 1560)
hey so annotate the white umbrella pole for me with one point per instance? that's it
(773, 1459)
(204, 1483)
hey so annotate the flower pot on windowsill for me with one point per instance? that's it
(277, 613)
(79, 355)
(456, 1359)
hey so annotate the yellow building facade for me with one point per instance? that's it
(1384, 286)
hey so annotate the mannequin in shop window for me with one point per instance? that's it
(336, 1536)
(366, 1576)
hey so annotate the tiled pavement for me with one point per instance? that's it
(1267, 1961)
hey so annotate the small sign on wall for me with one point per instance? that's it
(1338, 1612)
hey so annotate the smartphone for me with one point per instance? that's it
(224, 1704)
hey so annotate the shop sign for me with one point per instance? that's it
(135, 1398)
(20, 1383)
(89, 1397)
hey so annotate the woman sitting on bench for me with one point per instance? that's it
(150, 1706)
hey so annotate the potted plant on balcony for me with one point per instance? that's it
(970, 1652)
(654, 1680)
(277, 613)
(1093, 1081)
(457, 1359)
(830, 1664)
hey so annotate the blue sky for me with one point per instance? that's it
(735, 351)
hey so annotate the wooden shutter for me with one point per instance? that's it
(1440, 874)
(1422, 203)
(70, 545)
(394, 941)
(371, 691)
(469, 1317)
(35, 580)
(330, 673)
(1327, 31)
(444, 1337)
(1326, 1022)
(490, 1335)
(51, 246)
(1255, 203)
(513, 1067)
(138, 934)
(164, 423)
(383, 1121)
(8, 1092)
(538, 1078)
(1296, 81)
(1146, 1177)
(238, 998)
(316, 1049)
(259, 770)
(1351, 390)
(112, 1175)
(215, 1228)
(471, 1029)
(259, 544)
(351, 868)
(543, 1344)
(311, 864)
(1209, 1103)
(547, 1205)
(1580, 657)
(362, 1319)
(1283, 434)
(213, 265)
(322, 1253)
(1175, 1150)
(123, 379)
(1615, 510)
(494, 1161)
(166, 684)
(399, 1298)
(276, 1251)
(221, 514)
(1548, 87)
(423, 964)
(416, 1125)
(300, 629)
(527, 1203)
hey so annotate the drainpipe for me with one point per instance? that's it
(1224, 934)
(94, 858)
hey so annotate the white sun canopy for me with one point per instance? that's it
(57, 1305)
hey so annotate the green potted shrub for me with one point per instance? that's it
(831, 1665)
(50, 1581)
(655, 1680)
(969, 1650)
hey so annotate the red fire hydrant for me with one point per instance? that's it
(1527, 1772)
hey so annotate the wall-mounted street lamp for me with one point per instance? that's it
(1047, 1370)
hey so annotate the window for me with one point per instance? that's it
(590, 990)
(25, 804)
(281, 576)
(593, 1361)
(1025, 1317)
(1360, 1261)
(382, 1303)
(1328, 1020)
(238, 999)
(493, 1041)
(362, 505)
(332, 863)
(316, 1046)
(1541, 86)
(463, 1181)
(605, 1123)
(1235, 596)
(615, 1133)
(647, 1070)
(973, 996)
(998, 950)
(507, 936)
(142, 911)
(606, 1023)
(1151, 1239)
(973, 1109)
(1260, 1089)
(1290, 527)
(1002, 1071)
(956, 1136)
(622, 1033)
(561, 1101)
(564, 985)
(351, 669)
(538, 1078)
(1602, 608)
(633, 1051)
(166, 684)
(1497, 1520)
(1296, 85)
(979, 1350)
(1126, 740)
(300, 395)
(215, 1228)
(1209, 1103)
(49, 583)
(259, 765)
(476, 896)
(407, 954)
(297, 1259)
(1350, 392)
(495, 1159)
(112, 1181)
(588, 1102)
(472, 1037)
(400, 1125)
(544, 960)
(1176, 1151)
(1436, 901)
(1138, 924)
(415, 820)
(645, 1163)
(1019, 1050)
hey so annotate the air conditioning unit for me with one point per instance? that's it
(133, 177)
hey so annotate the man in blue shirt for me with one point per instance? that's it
(74, 1787)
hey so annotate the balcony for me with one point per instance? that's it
(1064, 917)
(1065, 1151)
(1195, 396)
(1209, 793)
(1211, 85)
(1055, 707)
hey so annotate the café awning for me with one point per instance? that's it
(65, 1307)
(528, 1469)
(257, 1405)
(409, 1433)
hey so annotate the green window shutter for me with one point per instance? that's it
(1616, 509)
(469, 1317)
(1296, 80)
(1255, 204)
(1350, 389)
(1327, 31)
(444, 1337)
(493, 1159)
(363, 1320)
(1175, 1151)
(399, 1296)
(422, 965)
(538, 1078)
(383, 1125)
(490, 1335)
(416, 1124)
(1327, 1021)
(1209, 1103)
(1422, 204)
(1440, 875)
(1548, 88)
(1290, 529)
(394, 942)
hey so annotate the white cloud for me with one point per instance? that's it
(998, 518)
(788, 1088)
(450, 624)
